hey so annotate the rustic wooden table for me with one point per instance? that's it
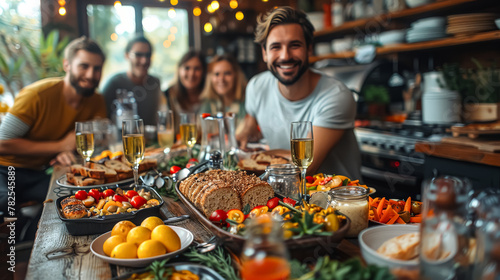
(58, 255)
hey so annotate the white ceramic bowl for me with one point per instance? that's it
(372, 238)
(497, 22)
(96, 247)
(342, 45)
(391, 37)
(417, 3)
(316, 19)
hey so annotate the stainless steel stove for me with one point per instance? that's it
(389, 161)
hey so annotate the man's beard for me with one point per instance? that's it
(302, 69)
(85, 92)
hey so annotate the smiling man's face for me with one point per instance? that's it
(286, 53)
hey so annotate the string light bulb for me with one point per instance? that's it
(196, 11)
(172, 13)
(167, 44)
(215, 5)
(173, 29)
(174, 2)
(62, 11)
(61, 2)
(233, 4)
(117, 4)
(239, 15)
(208, 27)
(114, 37)
(171, 37)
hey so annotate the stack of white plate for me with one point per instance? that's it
(468, 24)
(426, 29)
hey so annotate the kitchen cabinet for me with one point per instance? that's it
(400, 19)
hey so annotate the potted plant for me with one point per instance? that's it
(377, 97)
(479, 88)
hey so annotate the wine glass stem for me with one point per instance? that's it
(136, 174)
(189, 152)
(302, 190)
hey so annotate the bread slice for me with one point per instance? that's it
(118, 166)
(110, 175)
(223, 198)
(92, 173)
(76, 169)
(78, 180)
(402, 247)
(257, 194)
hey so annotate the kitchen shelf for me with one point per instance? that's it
(406, 13)
(445, 42)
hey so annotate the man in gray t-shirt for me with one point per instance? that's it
(291, 91)
(146, 88)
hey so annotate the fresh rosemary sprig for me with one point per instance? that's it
(159, 270)
(168, 190)
(217, 260)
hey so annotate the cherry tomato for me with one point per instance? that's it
(258, 210)
(236, 215)
(119, 198)
(131, 193)
(218, 216)
(108, 192)
(191, 164)
(192, 160)
(174, 169)
(95, 193)
(137, 201)
(204, 115)
(310, 179)
(81, 195)
(273, 202)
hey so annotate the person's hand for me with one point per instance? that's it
(64, 158)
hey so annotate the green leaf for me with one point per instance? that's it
(246, 209)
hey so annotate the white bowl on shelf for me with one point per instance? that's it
(316, 19)
(391, 37)
(342, 45)
(497, 22)
(417, 3)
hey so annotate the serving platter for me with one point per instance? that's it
(96, 247)
(297, 247)
(62, 182)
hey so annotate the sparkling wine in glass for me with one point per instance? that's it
(133, 144)
(302, 149)
(84, 140)
(165, 129)
(188, 131)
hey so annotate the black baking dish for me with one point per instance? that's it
(102, 224)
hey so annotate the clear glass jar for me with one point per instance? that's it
(284, 178)
(264, 254)
(352, 201)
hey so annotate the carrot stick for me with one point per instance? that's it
(380, 207)
(375, 201)
(408, 205)
(400, 221)
(393, 219)
(376, 217)
(415, 219)
(387, 214)
(370, 200)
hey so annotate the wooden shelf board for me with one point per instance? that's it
(445, 42)
(350, 25)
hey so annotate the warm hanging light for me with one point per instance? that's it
(196, 11)
(215, 5)
(265, 0)
(207, 27)
(61, 2)
(173, 29)
(233, 4)
(117, 4)
(171, 13)
(171, 37)
(167, 43)
(210, 9)
(239, 15)
(174, 2)
(62, 11)
(114, 37)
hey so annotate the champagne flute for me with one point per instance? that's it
(84, 140)
(188, 131)
(302, 149)
(133, 144)
(165, 130)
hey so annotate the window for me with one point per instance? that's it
(165, 27)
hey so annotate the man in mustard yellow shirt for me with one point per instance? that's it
(39, 129)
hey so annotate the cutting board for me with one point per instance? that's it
(474, 130)
(483, 145)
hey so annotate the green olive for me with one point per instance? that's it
(416, 207)
(332, 223)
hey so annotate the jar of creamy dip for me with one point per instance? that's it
(352, 201)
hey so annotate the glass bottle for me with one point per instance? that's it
(352, 201)
(264, 254)
(284, 178)
(446, 246)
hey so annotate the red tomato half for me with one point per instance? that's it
(81, 195)
(137, 201)
(174, 169)
(119, 198)
(218, 216)
(108, 192)
(95, 193)
(131, 193)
